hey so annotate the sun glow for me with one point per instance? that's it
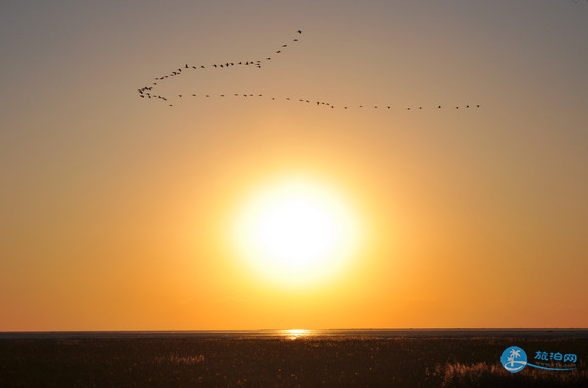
(296, 232)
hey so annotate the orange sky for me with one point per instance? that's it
(116, 211)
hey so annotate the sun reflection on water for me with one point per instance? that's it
(296, 333)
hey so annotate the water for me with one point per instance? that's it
(302, 333)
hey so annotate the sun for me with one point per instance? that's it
(296, 232)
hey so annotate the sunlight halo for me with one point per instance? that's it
(296, 232)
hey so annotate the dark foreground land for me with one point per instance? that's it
(282, 362)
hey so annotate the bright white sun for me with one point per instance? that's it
(296, 232)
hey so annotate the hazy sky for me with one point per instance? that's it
(115, 210)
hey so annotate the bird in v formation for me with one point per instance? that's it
(147, 91)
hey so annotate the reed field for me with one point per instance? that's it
(281, 362)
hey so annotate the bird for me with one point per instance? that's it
(299, 31)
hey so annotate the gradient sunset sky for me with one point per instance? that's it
(116, 211)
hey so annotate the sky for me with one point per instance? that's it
(117, 212)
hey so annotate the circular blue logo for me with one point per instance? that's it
(514, 359)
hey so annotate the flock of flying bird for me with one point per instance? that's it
(147, 92)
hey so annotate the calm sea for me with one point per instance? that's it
(300, 333)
